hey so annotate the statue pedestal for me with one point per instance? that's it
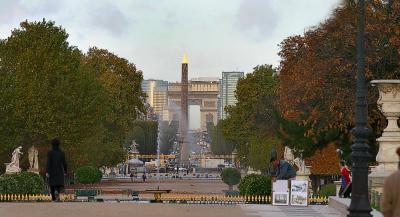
(389, 105)
(305, 176)
(12, 169)
(33, 170)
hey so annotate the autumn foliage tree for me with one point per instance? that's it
(318, 70)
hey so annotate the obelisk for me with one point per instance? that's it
(184, 120)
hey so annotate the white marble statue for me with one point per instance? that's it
(13, 167)
(288, 155)
(134, 147)
(300, 164)
(33, 159)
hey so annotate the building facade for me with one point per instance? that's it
(202, 92)
(226, 95)
(157, 95)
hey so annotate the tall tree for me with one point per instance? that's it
(122, 83)
(219, 145)
(168, 133)
(46, 95)
(317, 88)
(254, 117)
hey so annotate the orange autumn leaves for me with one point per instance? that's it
(318, 69)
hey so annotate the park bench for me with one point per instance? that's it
(88, 193)
(134, 194)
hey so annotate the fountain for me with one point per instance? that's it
(157, 191)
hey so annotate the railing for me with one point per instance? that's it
(33, 197)
(222, 199)
(376, 199)
(169, 198)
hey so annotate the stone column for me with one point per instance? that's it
(389, 105)
(305, 176)
(184, 121)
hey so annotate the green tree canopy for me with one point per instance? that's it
(230, 176)
(49, 89)
(46, 95)
(254, 117)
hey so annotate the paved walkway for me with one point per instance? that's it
(177, 186)
(288, 211)
(117, 209)
(156, 210)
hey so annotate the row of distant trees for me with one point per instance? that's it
(50, 88)
(308, 101)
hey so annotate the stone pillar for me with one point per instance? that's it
(184, 121)
(389, 105)
(338, 184)
(305, 176)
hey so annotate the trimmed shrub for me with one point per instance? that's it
(230, 176)
(88, 175)
(21, 183)
(327, 190)
(8, 184)
(244, 182)
(29, 183)
(255, 185)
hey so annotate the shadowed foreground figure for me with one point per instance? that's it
(391, 194)
(56, 169)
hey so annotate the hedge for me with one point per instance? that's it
(88, 175)
(255, 185)
(21, 183)
(328, 190)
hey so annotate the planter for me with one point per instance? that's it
(389, 105)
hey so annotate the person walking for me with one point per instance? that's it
(144, 177)
(56, 169)
(390, 202)
(284, 170)
(346, 187)
(131, 177)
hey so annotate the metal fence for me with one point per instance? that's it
(168, 198)
(376, 197)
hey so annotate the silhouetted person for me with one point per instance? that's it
(131, 177)
(144, 177)
(56, 169)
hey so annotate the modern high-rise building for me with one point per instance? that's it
(157, 95)
(227, 91)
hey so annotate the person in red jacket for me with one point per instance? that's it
(345, 189)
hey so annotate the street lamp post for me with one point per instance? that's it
(360, 206)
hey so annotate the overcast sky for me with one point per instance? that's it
(218, 35)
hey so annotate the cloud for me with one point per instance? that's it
(258, 18)
(109, 17)
(10, 9)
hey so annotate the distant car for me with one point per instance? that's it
(181, 169)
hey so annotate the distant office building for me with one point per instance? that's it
(219, 100)
(227, 91)
(157, 95)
